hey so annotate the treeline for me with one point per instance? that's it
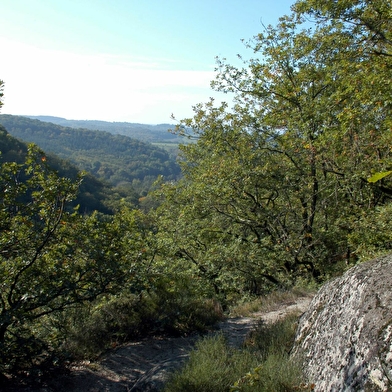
(117, 159)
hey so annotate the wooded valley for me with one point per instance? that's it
(118, 160)
(287, 186)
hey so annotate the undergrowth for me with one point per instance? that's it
(212, 367)
(91, 331)
(262, 365)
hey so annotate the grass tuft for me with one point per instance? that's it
(263, 366)
(213, 367)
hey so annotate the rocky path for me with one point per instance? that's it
(146, 364)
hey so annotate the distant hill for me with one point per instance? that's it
(118, 159)
(93, 193)
(145, 132)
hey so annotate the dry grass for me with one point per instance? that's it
(270, 302)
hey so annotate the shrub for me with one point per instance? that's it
(117, 319)
(91, 330)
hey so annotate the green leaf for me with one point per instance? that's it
(379, 176)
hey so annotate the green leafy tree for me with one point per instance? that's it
(51, 258)
(282, 173)
(360, 137)
(368, 21)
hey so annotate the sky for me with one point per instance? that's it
(122, 60)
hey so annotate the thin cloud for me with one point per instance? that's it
(100, 86)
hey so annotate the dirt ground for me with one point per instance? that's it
(145, 365)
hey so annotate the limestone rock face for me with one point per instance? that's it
(345, 337)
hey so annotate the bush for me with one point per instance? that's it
(181, 308)
(117, 319)
(372, 235)
(91, 330)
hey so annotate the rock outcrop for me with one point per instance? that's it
(345, 337)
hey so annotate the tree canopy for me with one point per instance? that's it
(276, 185)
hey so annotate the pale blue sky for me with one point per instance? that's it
(121, 60)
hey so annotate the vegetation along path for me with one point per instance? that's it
(145, 365)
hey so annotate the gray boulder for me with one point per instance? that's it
(345, 337)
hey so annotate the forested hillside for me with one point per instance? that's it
(288, 185)
(117, 159)
(93, 194)
(148, 133)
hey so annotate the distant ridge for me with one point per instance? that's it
(149, 133)
(53, 119)
(118, 159)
